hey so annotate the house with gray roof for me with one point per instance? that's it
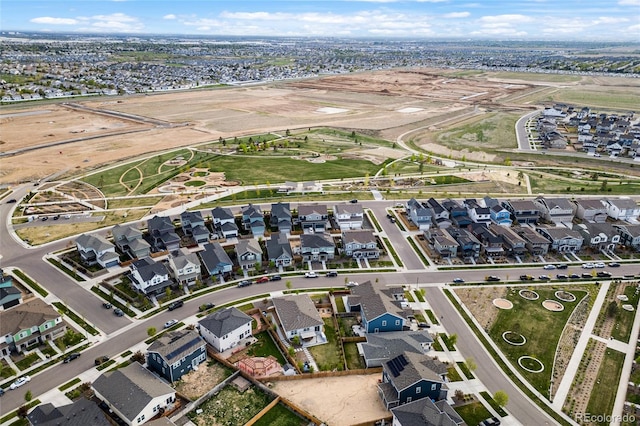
(629, 235)
(348, 216)
(360, 244)
(95, 249)
(193, 225)
(556, 210)
(226, 328)
(9, 295)
(419, 214)
(523, 211)
(279, 250)
(598, 236)
(281, 218)
(298, 316)
(313, 217)
(163, 233)
(249, 254)
(562, 239)
(381, 310)
(381, 347)
(176, 353)
(129, 240)
(184, 267)
(317, 247)
(622, 209)
(409, 377)
(215, 260)
(224, 222)
(134, 394)
(425, 412)
(590, 210)
(253, 220)
(149, 277)
(81, 412)
(535, 243)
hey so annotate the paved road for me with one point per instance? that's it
(521, 132)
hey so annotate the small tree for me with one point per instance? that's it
(28, 396)
(471, 364)
(296, 340)
(612, 309)
(459, 394)
(138, 357)
(453, 339)
(151, 331)
(501, 398)
(288, 284)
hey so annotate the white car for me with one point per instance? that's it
(21, 381)
(599, 265)
(352, 284)
(588, 265)
(170, 323)
(549, 267)
(310, 275)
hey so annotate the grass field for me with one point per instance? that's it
(490, 131)
(601, 403)
(473, 413)
(264, 347)
(624, 319)
(280, 415)
(526, 76)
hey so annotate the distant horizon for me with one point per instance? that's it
(438, 20)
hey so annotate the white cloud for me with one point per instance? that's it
(456, 15)
(54, 21)
(169, 16)
(629, 2)
(510, 19)
(609, 20)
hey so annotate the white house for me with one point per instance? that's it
(622, 209)
(348, 216)
(149, 276)
(226, 328)
(185, 266)
(299, 317)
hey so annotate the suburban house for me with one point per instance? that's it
(523, 211)
(249, 254)
(9, 295)
(409, 377)
(215, 260)
(476, 212)
(419, 214)
(224, 222)
(535, 243)
(381, 310)
(193, 225)
(128, 240)
(590, 210)
(492, 244)
(443, 243)
(279, 250)
(95, 249)
(468, 245)
(298, 316)
(458, 213)
(498, 213)
(381, 347)
(134, 393)
(360, 244)
(281, 218)
(513, 244)
(426, 412)
(226, 328)
(348, 216)
(629, 235)
(253, 220)
(81, 412)
(184, 267)
(562, 239)
(598, 236)
(316, 247)
(176, 353)
(149, 277)
(440, 214)
(622, 209)
(313, 218)
(163, 233)
(556, 210)
(28, 324)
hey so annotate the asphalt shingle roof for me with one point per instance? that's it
(297, 312)
(223, 322)
(374, 302)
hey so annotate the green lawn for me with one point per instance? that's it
(624, 319)
(453, 375)
(265, 346)
(354, 360)
(473, 413)
(541, 327)
(601, 403)
(280, 415)
(328, 356)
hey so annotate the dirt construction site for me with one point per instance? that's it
(70, 137)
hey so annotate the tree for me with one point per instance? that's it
(459, 394)
(501, 398)
(471, 364)
(288, 132)
(138, 356)
(151, 331)
(612, 309)
(453, 339)
(28, 396)
(288, 284)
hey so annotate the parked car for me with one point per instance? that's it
(44, 218)
(393, 220)
(562, 276)
(101, 360)
(599, 265)
(118, 312)
(275, 278)
(352, 284)
(492, 278)
(107, 305)
(1, 391)
(21, 381)
(71, 357)
(244, 283)
(544, 277)
(588, 265)
(175, 305)
(11, 201)
(170, 323)
(353, 201)
(526, 278)
(587, 275)
(574, 276)
(262, 280)
(423, 325)
(562, 266)
(310, 275)
(491, 421)
(331, 274)
(604, 274)
(549, 267)
(614, 264)
(458, 280)
(206, 307)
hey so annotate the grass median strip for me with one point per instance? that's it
(31, 283)
(392, 251)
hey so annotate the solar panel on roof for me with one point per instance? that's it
(182, 348)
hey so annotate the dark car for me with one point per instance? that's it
(587, 275)
(544, 277)
(458, 280)
(244, 283)
(574, 276)
(175, 305)
(423, 325)
(492, 421)
(11, 201)
(332, 274)
(562, 276)
(492, 278)
(526, 278)
(604, 274)
(71, 357)
(275, 278)
(562, 266)
(614, 264)
(101, 360)
(206, 307)
(353, 201)
(118, 312)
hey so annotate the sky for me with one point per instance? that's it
(586, 20)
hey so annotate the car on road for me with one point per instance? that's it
(562, 266)
(352, 284)
(599, 265)
(12, 201)
(588, 265)
(458, 280)
(262, 280)
(101, 360)
(614, 264)
(587, 275)
(56, 217)
(549, 267)
(544, 278)
(275, 278)
(170, 323)
(310, 275)
(353, 201)
(175, 305)
(206, 306)
(1, 391)
(244, 283)
(331, 274)
(21, 381)
(71, 357)
(526, 278)
(492, 278)
(491, 421)
(107, 305)
(562, 276)
(604, 274)
(44, 218)
(118, 312)
(574, 276)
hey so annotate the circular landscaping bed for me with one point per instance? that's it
(502, 303)
(529, 294)
(531, 364)
(627, 307)
(565, 296)
(195, 183)
(553, 306)
(200, 174)
(513, 338)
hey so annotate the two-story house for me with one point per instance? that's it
(249, 254)
(498, 213)
(492, 244)
(279, 250)
(380, 310)
(590, 210)
(253, 220)
(598, 236)
(9, 295)
(129, 240)
(348, 216)
(424, 411)
(514, 244)
(629, 235)
(81, 412)
(149, 277)
(176, 353)
(317, 247)
(184, 267)
(360, 244)
(476, 212)
(281, 218)
(556, 210)
(313, 217)
(224, 222)
(215, 260)
(562, 239)
(193, 225)
(440, 214)
(95, 249)
(622, 209)
(163, 233)
(443, 243)
(381, 347)
(420, 215)
(536, 244)
(468, 245)
(226, 328)
(523, 211)
(298, 316)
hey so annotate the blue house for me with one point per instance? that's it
(380, 310)
(9, 295)
(411, 376)
(253, 220)
(215, 260)
(176, 353)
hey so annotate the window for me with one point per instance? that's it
(434, 387)
(384, 323)
(397, 322)
(409, 399)
(418, 389)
